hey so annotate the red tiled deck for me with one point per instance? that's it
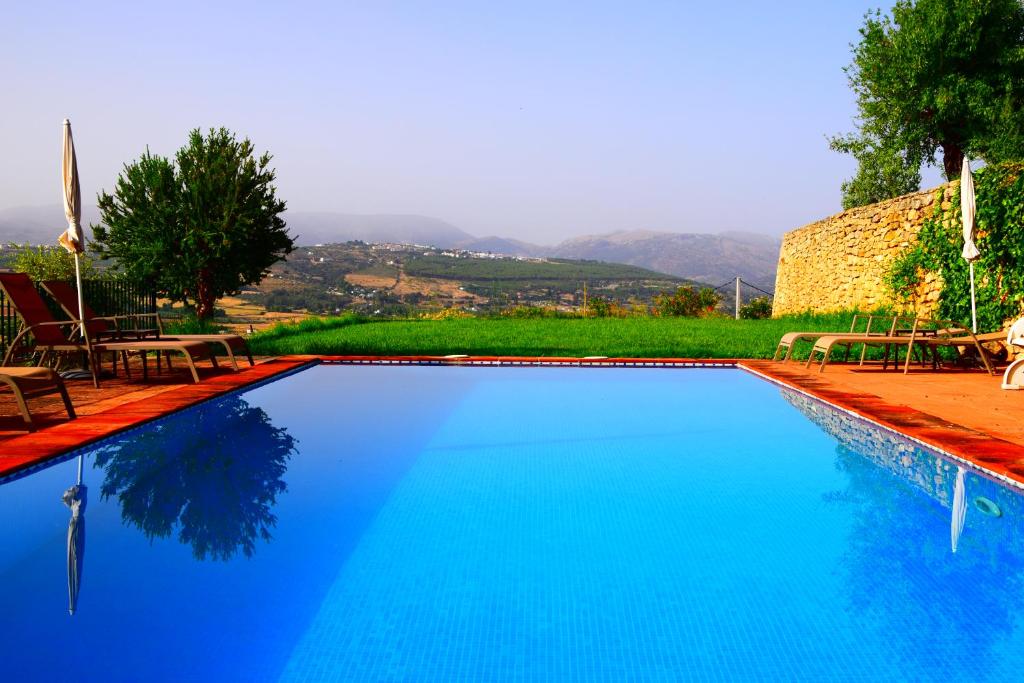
(119, 404)
(963, 413)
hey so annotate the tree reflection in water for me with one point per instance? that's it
(214, 473)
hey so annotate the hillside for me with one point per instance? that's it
(399, 278)
(702, 257)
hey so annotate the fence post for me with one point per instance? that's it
(737, 297)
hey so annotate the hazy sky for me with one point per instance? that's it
(530, 120)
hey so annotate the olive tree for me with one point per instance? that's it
(198, 227)
(935, 78)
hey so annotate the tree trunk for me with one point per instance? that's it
(204, 296)
(952, 159)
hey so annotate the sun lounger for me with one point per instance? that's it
(948, 334)
(894, 340)
(45, 335)
(26, 383)
(790, 338)
(111, 327)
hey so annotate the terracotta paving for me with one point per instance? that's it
(118, 404)
(961, 412)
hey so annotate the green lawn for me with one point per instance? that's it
(629, 337)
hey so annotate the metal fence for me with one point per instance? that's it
(104, 297)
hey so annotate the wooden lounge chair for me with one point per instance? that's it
(43, 334)
(26, 383)
(112, 327)
(790, 338)
(894, 340)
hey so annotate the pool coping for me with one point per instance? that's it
(989, 455)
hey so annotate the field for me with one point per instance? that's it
(627, 337)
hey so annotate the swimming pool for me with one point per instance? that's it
(447, 523)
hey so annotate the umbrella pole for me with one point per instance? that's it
(974, 314)
(81, 460)
(81, 303)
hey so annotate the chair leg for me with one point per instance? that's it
(191, 366)
(63, 391)
(19, 398)
(94, 368)
(231, 356)
(984, 358)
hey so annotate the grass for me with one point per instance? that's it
(576, 337)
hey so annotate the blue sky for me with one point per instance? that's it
(531, 120)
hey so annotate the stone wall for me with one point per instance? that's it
(840, 263)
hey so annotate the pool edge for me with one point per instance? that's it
(952, 441)
(980, 451)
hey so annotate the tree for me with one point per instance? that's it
(50, 263)
(197, 228)
(938, 76)
(882, 172)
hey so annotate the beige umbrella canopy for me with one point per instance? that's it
(970, 251)
(72, 239)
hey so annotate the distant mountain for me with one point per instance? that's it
(704, 257)
(503, 245)
(42, 224)
(38, 224)
(323, 227)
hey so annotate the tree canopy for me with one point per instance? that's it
(199, 227)
(937, 77)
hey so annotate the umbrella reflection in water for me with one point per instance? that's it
(956, 524)
(75, 498)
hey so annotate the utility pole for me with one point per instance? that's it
(584, 298)
(737, 297)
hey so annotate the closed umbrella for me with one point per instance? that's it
(72, 239)
(956, 523)
(75, 498)
(970, 252)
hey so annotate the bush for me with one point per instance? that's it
(757, 309)
(50, 263)
(687, 302)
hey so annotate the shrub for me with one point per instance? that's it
(687, 302)
(50, 263)
(757, 309)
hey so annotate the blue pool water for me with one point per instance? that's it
(425, 523)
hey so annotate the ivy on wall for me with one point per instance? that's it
(998, 272)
